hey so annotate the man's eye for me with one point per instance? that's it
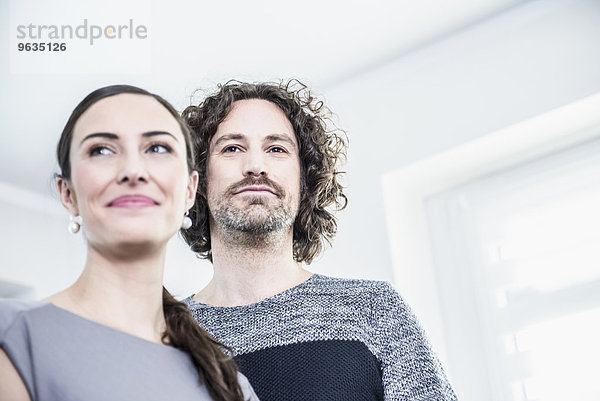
(159, 148)
(231, 148)
(100, 150)
(277, 149)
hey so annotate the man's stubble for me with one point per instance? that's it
(261, 222)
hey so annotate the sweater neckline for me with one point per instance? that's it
(195, 304)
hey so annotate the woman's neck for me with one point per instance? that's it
(125, 294)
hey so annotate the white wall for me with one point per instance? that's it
(37, 250)
(533, 58)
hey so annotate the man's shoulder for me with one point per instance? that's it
(374, 297)
(353, 285)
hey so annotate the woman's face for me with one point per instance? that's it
(129, 178)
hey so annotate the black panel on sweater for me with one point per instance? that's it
(331, 370)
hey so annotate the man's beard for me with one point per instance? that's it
(258, 219)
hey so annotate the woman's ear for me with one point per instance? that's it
(67, 196)
(192, 188)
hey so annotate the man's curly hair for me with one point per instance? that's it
(321, 148)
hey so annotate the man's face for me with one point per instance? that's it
(253, 170)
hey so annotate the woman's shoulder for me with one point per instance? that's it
(12, 310)
(247, 390)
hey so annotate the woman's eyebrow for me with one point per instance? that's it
(109, 135)
(99, 134)
(154, 133)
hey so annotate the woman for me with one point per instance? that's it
(127, 178)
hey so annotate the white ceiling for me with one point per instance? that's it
(197, 44)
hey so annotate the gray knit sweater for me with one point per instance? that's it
(330, 339)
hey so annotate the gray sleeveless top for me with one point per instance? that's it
(64, 357)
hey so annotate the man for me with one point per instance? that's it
(268, 179)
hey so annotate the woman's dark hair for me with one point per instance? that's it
(320, 150)
(215, 369)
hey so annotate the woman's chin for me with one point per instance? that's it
(120, 239)
(131, 249)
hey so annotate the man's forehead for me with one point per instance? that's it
(255, 119)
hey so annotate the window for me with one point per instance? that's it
(517, 259)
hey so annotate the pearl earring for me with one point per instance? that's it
(187, 221)
(75, 224)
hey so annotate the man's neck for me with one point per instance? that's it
(247, 274)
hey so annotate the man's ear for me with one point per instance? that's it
(192, 188)
(67, 196)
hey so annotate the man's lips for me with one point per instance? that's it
(132, 201)
(256, 189)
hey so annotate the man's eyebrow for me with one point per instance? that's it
(229, 137)
(109, 135)
(282, 138)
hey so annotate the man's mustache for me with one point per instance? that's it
(249, 181)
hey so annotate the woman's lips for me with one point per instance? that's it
(132, 201)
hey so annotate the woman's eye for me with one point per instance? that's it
(100, 150)
(158, 148)
(277, 149)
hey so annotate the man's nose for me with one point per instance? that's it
(255, 164)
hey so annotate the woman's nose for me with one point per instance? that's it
(133, 172)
